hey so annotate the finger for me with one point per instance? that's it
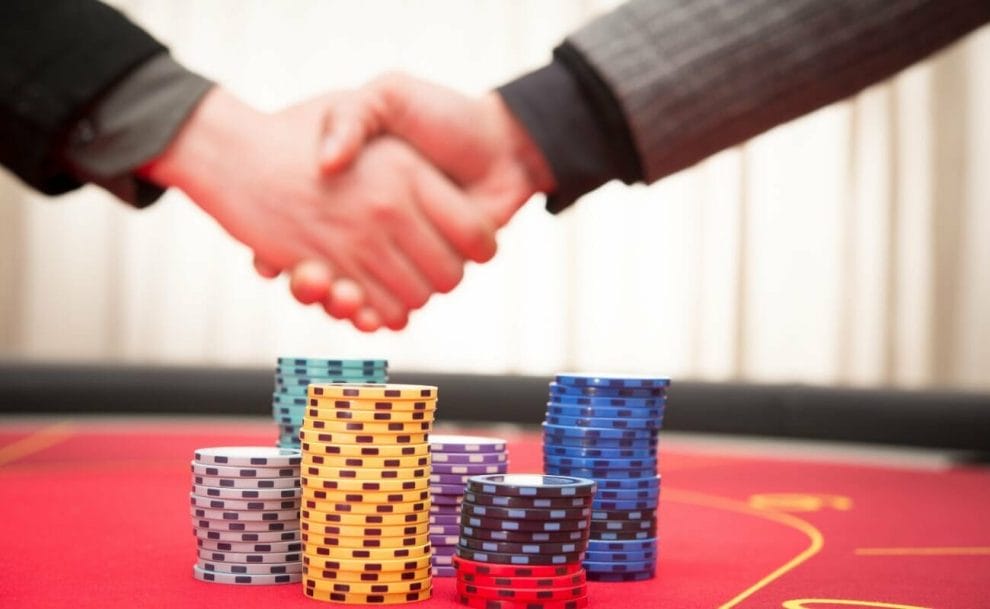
(426, 248)
(347, 125)
(388, 311)
(462, 224)
(346, 298)
(396, 273)
(367, 320)
(310, 282)
(268, 271)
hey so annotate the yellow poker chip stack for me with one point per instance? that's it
(365, 488)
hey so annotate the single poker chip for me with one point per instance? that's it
(620, 556)
(578, 398)
(281, 399)
(629, 494)
(528, 502)
(486, 511)
(623, 536)
(528, 595)
(443, 551)
(246, 580)
(605, 412)
(622, 546)
(336, 437)
(503, 581)
(381, 565)
(359, 427)
(443, 540)
(368, 462)
(250, 547)
(441, 571)
(336, 541)
(586, 452)
(249, 526)
(468, 458)
(445, 529)
(630, 381)
(531, 485)
(367, 587)
(372, 404)
(600, 463)
(345, 530)
(468, 469)
(379, 451)
(599, 432)
(357, 508)
(214, 503)
(446, 489)
(244, 515)
(623, 525)
(248, 456)
(601, 474)
(621, 577)
(409, 518)
(366, 496)
(505, 524)
(487, 569)
(369, 554)
(451, 500)
(443, 560)
(620, 567)
(443, 443)
(367, 576)
(643, 444)
(248, 558)
(248, 536)
(647, 483)
(524, 536)
(302, 382)
(620, 515)
(451, 479)
(559, 389)
(642, 504)
(477, 602)
(366, 473)
(246, 483)
(354, 598)
(505, 547)
(367, 416)
(378, 392)
(374, 486)
(332, 363)
(603, 422)
(445, 510)
(250, 569)
(451, 518)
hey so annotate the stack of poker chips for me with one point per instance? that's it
(245, 509)
(366, 498)
(523, 537)
(293, 375)
(606, 428)
(455, 459)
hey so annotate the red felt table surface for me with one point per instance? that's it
(96, 515)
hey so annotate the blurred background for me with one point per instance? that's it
(849, 247)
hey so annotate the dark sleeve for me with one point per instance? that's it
(57, 58)
(692, 77)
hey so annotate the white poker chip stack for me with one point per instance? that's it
(245, 512)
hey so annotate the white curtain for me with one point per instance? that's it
(851, 246)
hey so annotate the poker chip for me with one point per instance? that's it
(246, 483)
(332, 363)
(248, 526)
(498, 570)
(560, 389)
(484, 511)
(573, 441)
(244, 472)
(625, 536)
(366, 500)
(250, 547)
(477, 602)
(585, 452)
(620, 515)
(214, 503)
(521, 548)
(645, 545)
(598, 463)
(243, 515)
(528, 502)
(250, 558)
(605, 433)
(248, 456)
(621, 577)
(466, 444)
(250, 569)
(442, 571)
(527, 595)
(531, 485)
(247, 536)
(525, 536)
(604, 422)
(557, 581)
(247, 580)
(505, 524)
(456, 458)
(576, 397)
(618, 557)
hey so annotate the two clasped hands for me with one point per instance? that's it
(372, 200)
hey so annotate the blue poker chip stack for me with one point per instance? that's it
(606, 428)
(294, 374)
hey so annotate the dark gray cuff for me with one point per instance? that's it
(569, 115)
(132, 124)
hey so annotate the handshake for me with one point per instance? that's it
(372, 200)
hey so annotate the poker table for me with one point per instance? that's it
(95, 514)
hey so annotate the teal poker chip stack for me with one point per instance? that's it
(294, 374)
(606, 429)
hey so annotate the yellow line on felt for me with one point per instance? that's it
(815, 538)
(35, 442)
(932, 551)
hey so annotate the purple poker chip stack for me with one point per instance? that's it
(455, 459)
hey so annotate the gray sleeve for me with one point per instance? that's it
(693, 77)
(133, 124)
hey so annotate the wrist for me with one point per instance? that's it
(522, 146)
(207, 143)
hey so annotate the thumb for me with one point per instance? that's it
(346, 128)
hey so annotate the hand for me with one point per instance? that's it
(391, 224)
